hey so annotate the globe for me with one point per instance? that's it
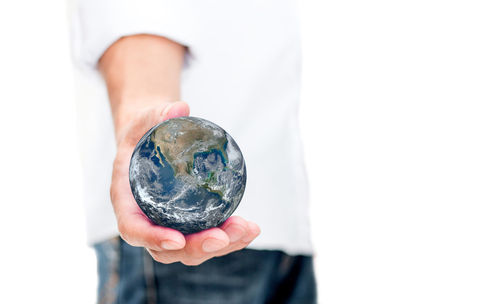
(188, 174)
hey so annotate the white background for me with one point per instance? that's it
(401, 126)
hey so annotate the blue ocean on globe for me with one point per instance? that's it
(188, 174)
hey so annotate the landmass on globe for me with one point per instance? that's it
(188, 174)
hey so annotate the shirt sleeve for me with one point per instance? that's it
(97, 24)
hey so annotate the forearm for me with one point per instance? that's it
(140, 71)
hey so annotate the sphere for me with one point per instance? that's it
(188, 174)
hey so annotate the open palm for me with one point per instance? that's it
(167, 245)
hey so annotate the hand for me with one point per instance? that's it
(166, 245)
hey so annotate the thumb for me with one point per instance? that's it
(147, 118)
(176, 109)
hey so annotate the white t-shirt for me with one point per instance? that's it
(242, 72)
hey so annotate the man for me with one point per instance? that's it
(235, 63)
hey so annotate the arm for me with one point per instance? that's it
(142, 74)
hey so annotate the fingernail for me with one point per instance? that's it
(170, 245)
(212, 245)
(235, 232)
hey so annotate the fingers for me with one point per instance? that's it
(235, 230)
(240, 241)
(235, 234)
(235, 227)
(198, 248)
(206, 241)
(137, 230)
(240, 230)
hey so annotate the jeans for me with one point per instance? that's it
(128, 275)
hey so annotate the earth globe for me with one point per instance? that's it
(188, 174)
